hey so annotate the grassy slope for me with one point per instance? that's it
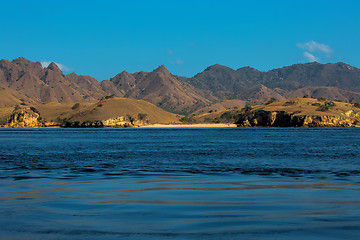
(302, 106)
(222, 106)
(105, 109)
(10, 98)
(4, 114)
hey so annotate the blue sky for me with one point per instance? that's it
(103, 38)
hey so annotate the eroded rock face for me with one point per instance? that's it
(124, 122)
(262, 118)
(118, 122)
(24, 118)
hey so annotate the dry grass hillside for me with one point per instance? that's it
(4, 114)
(296, 106)
(222, 106)
(105, 109)
(10, 98)
(309, 106)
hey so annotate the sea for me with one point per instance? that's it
(180, 183)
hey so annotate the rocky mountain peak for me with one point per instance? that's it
(248, 68)
(21, 60)
(53, 66)
(124, 74)
(217, 67)
(344, 65)
(162, 69)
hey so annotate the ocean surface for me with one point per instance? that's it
(229, 183)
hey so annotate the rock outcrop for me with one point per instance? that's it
(24, 118)
(262, 118)
(127, 121)
(118, 122)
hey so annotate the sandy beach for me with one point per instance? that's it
(214, 125)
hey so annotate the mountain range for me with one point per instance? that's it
(24, 81)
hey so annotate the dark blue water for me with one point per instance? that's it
(180, 183)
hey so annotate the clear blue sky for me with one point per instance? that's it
(103, 38)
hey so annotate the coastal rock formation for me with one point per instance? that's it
(24, 118)
(262, 118)
(127, 121)
(118, 122)
(296, 112)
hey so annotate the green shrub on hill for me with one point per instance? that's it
(188, 119)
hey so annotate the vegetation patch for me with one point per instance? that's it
(142, 116)
(226, 117)
(76, 105)
(69, 123)
(247, 108)
(289, 103)
(188, 119)
(108, 97)
(326, 107)
(271, 100)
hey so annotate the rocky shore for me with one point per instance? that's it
(29, 117)
(262, 118)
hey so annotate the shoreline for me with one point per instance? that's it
(156, 125)
(200, 125)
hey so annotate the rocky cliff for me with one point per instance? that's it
(297, 112)
(118, 122)
(24, 118)
(261, 118)
(125, 121)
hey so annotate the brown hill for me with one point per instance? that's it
(44, 84)
(110, 89)
(332, 93)
(291, 113)
(340, 75)
(222, 106)
(29, 81)
(10, 98)
(88, 83)
(105, 109)
(49, 84)
(159, 87)
(123, 82)
(226, 83)
(258, 94)
(301, 112)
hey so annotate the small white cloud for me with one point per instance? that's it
(61, 66)
(313, 46)
(177, 62)
(170, 52)
(310, 57)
